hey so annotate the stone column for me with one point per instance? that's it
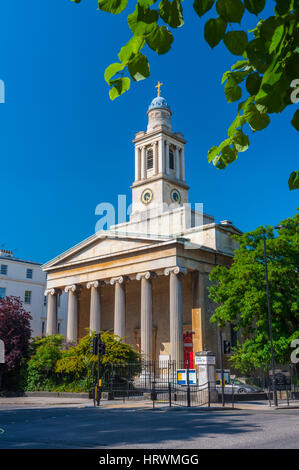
(167, 157)
(119, 306)
(161, 156)
(176, 314)
(177, 163)
(143, 163)
(146, 313)
(72, 313)
(95, 306)
(182, 164)
(52, 311)
(155, 157)
(137, 164)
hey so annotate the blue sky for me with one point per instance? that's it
(65, 147)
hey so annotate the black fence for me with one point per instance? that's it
(155, 381)
(160, 382)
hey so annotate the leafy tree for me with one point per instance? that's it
(40, 369)
(265, 74)
(240, 292)
(78, 362)
(55, 365)
(15, 333)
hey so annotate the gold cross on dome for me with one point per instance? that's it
(159, 88)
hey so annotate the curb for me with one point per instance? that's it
(44, 394)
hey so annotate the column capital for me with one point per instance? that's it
(120, 280)
(146, 275)
(53, 291)
(178, 270)
(72, 287)
(95, 284)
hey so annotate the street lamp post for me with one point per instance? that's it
(270, 318)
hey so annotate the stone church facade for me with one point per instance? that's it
(147, 279)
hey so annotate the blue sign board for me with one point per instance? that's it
(182, 377)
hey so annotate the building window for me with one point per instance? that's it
(45, 300)
(149, 159)
(29, 273)
(27, 297)
(2, 292)
(171, 159)
(43, 328)
(3, 269)
(58, 328)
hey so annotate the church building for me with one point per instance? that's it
(147, 279)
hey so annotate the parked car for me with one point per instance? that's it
(237, 386)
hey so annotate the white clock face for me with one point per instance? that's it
(147, 196)
(175, 196)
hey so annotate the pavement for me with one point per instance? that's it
(60, 423)
(36, 402)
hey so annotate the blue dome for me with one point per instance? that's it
(158, 102)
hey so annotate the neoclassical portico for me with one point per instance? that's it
(147, 279)
(145, 301)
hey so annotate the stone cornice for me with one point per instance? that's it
(160, 176)
(158, 131)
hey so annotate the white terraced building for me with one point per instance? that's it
(25, 279)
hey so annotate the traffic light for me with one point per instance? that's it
(226, 347)
(94, 345)
(102, 349)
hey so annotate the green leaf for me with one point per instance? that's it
(268, 26)
(219, 163)
(239, 121)
(146, 3)
(241, 141)
(295, 120)
(160, 39)
(202, 6)
(257, 54)
(214, 31)
(171, 13)
(212, 153)
(112, 6)
(236, 41)
(255, 6)
(131, 48)
(253, 83)
(257, 121)
(139, 68)
(283, 7)
(142, 21)
(277, 36)
(294, 180)
(239, 64)
(120, 85)
(228, 154)
(230, 10)
(232, 93)
(111, 70)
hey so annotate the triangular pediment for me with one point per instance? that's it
(101, 245)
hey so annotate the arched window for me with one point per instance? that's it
(171, 158)
(149, 159)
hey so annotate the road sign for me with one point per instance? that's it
(204, 360)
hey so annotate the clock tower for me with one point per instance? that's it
(159, 184)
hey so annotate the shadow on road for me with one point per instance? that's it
(95, 428)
